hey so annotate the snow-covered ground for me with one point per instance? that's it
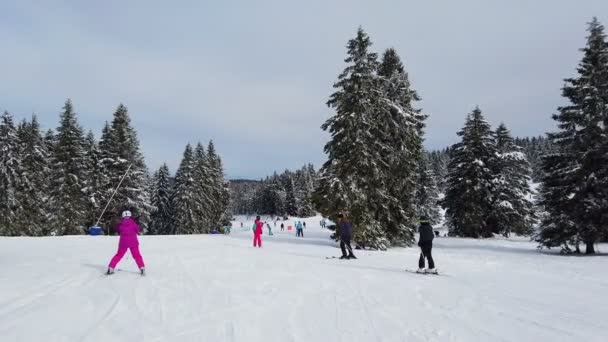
(219, 288)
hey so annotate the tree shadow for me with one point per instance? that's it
(507, 249)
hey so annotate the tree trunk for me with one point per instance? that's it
(589, 249)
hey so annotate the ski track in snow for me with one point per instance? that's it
(220, 288)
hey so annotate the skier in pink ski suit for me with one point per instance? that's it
(128, 230)
(257, 233)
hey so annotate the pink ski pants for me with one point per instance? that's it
(121, 252)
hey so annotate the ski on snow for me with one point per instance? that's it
(426, 273)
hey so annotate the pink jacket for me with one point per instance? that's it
(128, 229)
(259, 227)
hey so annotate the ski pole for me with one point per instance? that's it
(111, 197)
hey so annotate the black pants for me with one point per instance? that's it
(345, 244)
(300, 232)
(426, 253)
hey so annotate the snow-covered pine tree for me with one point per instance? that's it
(574, 186)
(33, 191)
(352, 178)
(120, 148)
(204, 189)
(291, 207)
(220, 193)
(270, 199)
(9, 177)
(95, 179)
(427, 194)
(184, 196)
(162, 216)
(307, 208)
(513, 210)
(470, 180)
(439, 164)
(68, 170)
(401, 129)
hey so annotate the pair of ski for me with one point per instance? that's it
(141, 273)
(335, 257)
(424, 273)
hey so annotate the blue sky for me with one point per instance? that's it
(254, 76)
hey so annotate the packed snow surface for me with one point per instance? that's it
(220, 288)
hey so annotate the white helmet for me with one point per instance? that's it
(126, 213)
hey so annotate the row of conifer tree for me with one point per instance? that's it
(376, 170)
(58, 182)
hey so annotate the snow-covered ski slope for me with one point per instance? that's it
(219, 288)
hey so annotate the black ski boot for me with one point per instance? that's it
(344, 257)
(142, 271)
(110, 271)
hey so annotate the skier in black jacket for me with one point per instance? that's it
(426, 245)
(346, 233)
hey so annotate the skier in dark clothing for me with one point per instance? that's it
(425, 242)
(346, 233)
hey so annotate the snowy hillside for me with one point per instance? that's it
(219, 288)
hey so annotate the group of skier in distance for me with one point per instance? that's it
(128, 229)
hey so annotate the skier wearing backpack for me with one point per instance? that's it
(346, 233)
(257, 233)
(128, 230)
(425, 242)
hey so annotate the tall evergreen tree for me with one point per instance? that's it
(291, 207)
(204, 189)
(184, 196)
(574, 186)
(427, 194)
(68, 176)
(163, 213)
(513, 210)
(9, 177)
(119, 150)
(401, 130)
(470, 180)
(33, 191)
(220, 193)
(95, 179)
(352, 179)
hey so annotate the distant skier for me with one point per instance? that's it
(269, 229)
(426, 245)
(299, 229)
(128, 230)
(346, 233)
(304, 224)
(282, 226)
(257, 233)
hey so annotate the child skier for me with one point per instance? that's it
(426, 245)
(269, 229)
(299, 229)
(128, 230)
(346, 232)
(257, 233)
